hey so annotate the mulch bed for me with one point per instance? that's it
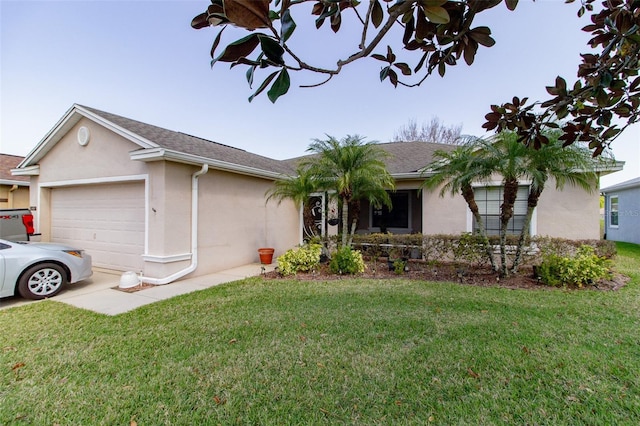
(471, 275)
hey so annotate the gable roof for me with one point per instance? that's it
(8, 162)
(183, 143)
(157, 143)
(406, 159)
(629, 184)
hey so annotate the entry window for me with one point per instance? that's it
(397, 217)
(489, 200)
(613, 210)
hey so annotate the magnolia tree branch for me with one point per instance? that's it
(602, 103)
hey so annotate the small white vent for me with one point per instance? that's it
(83, 136)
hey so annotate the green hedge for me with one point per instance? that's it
(468, 248)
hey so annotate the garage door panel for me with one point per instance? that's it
(105, 220)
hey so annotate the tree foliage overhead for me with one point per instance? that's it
(440, 34)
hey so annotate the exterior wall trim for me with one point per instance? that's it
(14, 182)
(115, 179)
(27, 171)
(609, 196)
(167, 259)
(157, 154)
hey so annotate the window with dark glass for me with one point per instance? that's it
(489, 200)
(397, 217)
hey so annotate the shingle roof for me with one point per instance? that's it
(404, 157)
(182, 142)
(407, 157)
(8, 162)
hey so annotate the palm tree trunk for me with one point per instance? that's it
(355, 213)
(345, 220)
(506, 213)
(532, 203)
(469, 197)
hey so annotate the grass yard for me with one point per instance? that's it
(338, 352)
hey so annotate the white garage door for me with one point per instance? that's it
(105, 220)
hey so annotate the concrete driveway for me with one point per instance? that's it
(99, 293)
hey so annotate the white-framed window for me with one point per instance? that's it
(613, 211)
(489, 199)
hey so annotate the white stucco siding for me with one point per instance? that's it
(105, 220)
(571, 213)
(105, 155)
(443, 215)
(234, 221)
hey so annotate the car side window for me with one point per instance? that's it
(4, 246)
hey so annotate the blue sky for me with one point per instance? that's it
(142, 60)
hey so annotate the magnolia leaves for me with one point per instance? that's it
(442, 30)
(388, 72)
(602, 102)
(272, 54)
(439, 34)
(332, 10)
(249, 14)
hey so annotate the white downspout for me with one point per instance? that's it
(194, 235)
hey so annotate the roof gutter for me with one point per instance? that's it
(194, 236)
(156, 154)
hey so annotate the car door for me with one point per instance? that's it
(4, 292)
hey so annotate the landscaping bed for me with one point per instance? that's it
(477, 275)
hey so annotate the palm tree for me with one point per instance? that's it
(297, 188)
(454, 172)
(572, 164)
(517, 163)
(351, 169)
(510, 159)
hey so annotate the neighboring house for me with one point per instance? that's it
(622, 211)
(143, 198)
(14, 190)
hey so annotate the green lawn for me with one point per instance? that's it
(339, 352)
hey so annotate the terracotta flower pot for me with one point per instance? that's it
(266, 255)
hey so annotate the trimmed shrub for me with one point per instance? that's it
(586, 267)
(303, 258)
(469, 249)
(347, 261)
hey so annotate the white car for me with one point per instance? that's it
(39, 270)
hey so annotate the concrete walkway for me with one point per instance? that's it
(98, 294)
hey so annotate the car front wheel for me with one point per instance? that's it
(41, 281)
